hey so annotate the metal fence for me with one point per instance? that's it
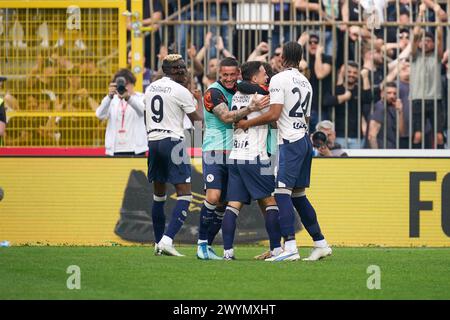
(53, 89)
(58, 59)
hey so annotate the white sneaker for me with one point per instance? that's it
(168, 250)
(319, 253)
(285, 256)
(228, 255)
(158, 251)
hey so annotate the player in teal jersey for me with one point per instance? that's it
(217, 141)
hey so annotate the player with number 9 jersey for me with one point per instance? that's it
(167, 102)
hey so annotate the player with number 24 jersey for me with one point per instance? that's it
(292, 89)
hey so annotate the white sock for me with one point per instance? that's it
(229, 252)
(167, 240)
(290, 245)
(321, 243)
(276, 251)
(199, 242)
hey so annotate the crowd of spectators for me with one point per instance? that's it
(354, 63)
(358, 57)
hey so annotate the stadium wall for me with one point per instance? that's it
(360, 201)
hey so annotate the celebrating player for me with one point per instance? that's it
(217, 142)
(250, 175)
(166, 103)
(290, 106)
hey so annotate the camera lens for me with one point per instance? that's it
(319, 139)
(121, 85)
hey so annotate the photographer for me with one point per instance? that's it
(124, 109)
(322, 145)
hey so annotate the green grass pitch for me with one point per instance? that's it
(135, 273)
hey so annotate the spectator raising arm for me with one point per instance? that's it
(306, 6)
(321, 69)
(260, 53)
(441, 15)
(202, 52)
(439, 33)
(401, 57)
(417, 33)
(221, 48)
(197, 64)
(374, 128)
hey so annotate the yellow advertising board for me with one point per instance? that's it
(359, 202)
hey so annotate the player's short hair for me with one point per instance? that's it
(353, 64)
(429, 34)
(170, 64)
(390, 84)
(127, 74)
(249, 69)
(228, 62)
(325, 124)
(269, 71)
(404, 11)
(292, 53)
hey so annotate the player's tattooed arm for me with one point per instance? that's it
(221, 111)
(227, 116)
(270, 116)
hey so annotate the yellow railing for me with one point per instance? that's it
(58, 57)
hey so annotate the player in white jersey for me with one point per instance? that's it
(167, 101)
(250, 176)
(290, 107)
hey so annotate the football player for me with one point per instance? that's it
(217, 142)
(166, 103)
(250, 173)
(290, 107)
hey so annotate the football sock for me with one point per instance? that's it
(286, 215)
(179, 214)
(216, 224)
(290, 245)
(307, 215)
(276, 251)
(273, 227)
(158, 217)
(229, 227)
(228, 252)
(166, 240)
(321, 244)
(206, 216)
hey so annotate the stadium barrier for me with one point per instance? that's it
(59, 55)
(398, 202)
(58, 58)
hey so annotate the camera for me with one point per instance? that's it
(121, 85)
(319, 139)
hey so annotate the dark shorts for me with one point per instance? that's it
(215, 171)
(249, 181)
(166, 164)
(294, 164)
(429, 115)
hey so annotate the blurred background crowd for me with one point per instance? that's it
(379, 68)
